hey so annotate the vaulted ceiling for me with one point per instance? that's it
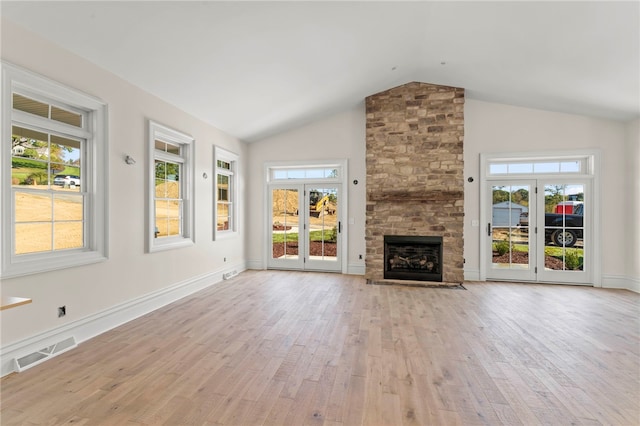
(254, 69)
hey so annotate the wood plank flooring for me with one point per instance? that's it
(292, 348)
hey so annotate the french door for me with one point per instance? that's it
(539, 230)
(510, 241)
(305, 227)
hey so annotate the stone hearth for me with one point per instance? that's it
(415, 181)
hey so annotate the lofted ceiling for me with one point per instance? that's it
(254, 69)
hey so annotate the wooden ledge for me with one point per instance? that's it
(416, 196)
(9, 302)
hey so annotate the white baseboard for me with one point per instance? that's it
(622, 282)
(255, 264)
(356, 268)
(471, 274)
(634, 284)
(100, 322)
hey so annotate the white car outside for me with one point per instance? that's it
(65, 180)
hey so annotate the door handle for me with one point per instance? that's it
(489, 229)
(339, 227)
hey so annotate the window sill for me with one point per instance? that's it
(170, 244)
(224, 235)
(18, 269)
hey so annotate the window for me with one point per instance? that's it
(538, 166)
(310, 172)
(53, 186)
(225, 192)
(171, 213)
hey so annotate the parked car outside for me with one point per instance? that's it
(63, 180)
(524, 219)
(562, 229)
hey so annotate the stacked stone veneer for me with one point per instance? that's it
(415, 175)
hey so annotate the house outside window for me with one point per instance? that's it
(226, 164)
(53, 175)
(171, 213)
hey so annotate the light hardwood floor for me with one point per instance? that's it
(275, 347)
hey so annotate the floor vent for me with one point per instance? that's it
(44, 354)
(229, 275)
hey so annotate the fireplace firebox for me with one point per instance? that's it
(417, 258)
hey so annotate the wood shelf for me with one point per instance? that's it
(9, 302)
(402, 195)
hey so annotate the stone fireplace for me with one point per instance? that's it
(415, 181)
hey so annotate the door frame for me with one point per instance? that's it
(341, 180)
(591, 158)
(297, 263)
(510, 274)
(578, 277)
(314, 264)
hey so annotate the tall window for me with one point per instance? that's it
(53, 186)
(225, 190)
(171, 191)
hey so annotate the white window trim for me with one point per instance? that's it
(230, 157)
(274, 170)
(160, 132)
(592, 171)
(95, 177)
(584, 158)
(343, 172)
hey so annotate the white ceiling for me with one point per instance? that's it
(254, 69)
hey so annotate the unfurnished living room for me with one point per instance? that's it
(329, 213)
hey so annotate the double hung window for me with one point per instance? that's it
(53, 175)
(225, 192)
(171, 191)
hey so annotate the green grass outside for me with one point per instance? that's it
(548, 251)
(313, 236)
(22, 173)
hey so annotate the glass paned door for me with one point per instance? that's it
(323, 229)
(509, 230)
(565, 239)
(285, 251)
(305, 229)
(539, 231)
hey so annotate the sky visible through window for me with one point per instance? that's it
(542, 167)
(305, 173)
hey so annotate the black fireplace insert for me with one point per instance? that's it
(408, 257)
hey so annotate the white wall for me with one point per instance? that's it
(341, 136)
(632, 209)
(130, 273)
(501, 128)
(489, 127)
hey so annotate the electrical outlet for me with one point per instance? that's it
(62, 311)
(360, 256)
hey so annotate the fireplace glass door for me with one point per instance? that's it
(417, 258)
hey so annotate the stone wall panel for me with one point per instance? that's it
(415, 182)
